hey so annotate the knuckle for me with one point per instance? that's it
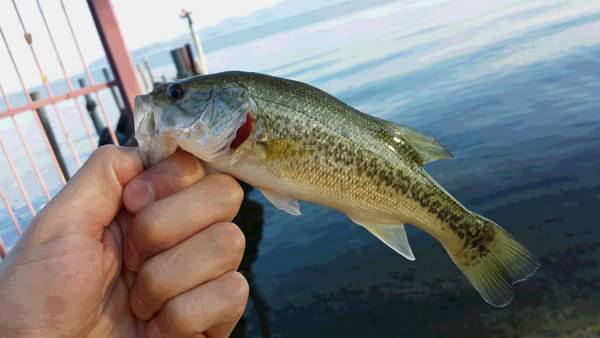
(148, 283)
(231, 191)
(230, 239)
(238, 240)
(187, 163)
(146, 226)
(106, 152)
(176, 315)
(236, 286)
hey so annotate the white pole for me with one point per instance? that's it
(201, 62)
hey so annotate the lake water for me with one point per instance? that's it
(512, 88)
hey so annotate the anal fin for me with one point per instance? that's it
(287, 204)
(393, 236)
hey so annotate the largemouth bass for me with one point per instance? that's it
(295, 142)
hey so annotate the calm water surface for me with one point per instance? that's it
(512, 88)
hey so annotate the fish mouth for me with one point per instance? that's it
(156, 148)
(210, 137)
(154, 145)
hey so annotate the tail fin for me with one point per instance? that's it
(492, 272)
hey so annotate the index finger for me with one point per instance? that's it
(92, 197)
(169, 176)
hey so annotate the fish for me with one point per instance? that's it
(295, 142)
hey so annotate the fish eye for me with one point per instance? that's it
(175, 91)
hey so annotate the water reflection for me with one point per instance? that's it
(251, 220)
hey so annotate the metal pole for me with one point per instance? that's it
(143, 77)
(88, 74)
(28, 98)
(201, 66)
(43, 116)
(116, 52)
(13, 169)
(36, 169)
(149, 70)
(113, 90)
(59, 116)
(90, 106)
(66, 77)
(123, 126)
(10, 211)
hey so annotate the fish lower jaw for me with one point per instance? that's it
(156, 149)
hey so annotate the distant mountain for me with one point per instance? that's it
(288, 22)
(284, 9)
(286, 15)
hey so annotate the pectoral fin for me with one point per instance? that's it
(287, 204)
(393, 236)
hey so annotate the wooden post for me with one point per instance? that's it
(51, 137)
(3, 252)
(124, 126)
(193, 65)
(178, 55)
(90, 106)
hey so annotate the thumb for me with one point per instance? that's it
(92, 198)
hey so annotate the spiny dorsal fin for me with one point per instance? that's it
(427, 149)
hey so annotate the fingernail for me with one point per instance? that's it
(141, 194)
(132, 258)
(153, 329)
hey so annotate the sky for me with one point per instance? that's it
(142, 22)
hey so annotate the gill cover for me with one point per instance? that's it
(204, 123)
(211, 135)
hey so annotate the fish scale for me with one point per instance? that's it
(307, 145)
(384, 184)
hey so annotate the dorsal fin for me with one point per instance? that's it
(426, 148)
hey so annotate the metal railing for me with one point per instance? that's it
(33, 108)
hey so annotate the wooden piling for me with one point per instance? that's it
(178, 55)
(43, 116)
(3, 251)
(190, 58)
(90, 106)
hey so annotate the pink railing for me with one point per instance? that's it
(125, 81)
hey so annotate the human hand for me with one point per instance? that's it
(66, 277)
